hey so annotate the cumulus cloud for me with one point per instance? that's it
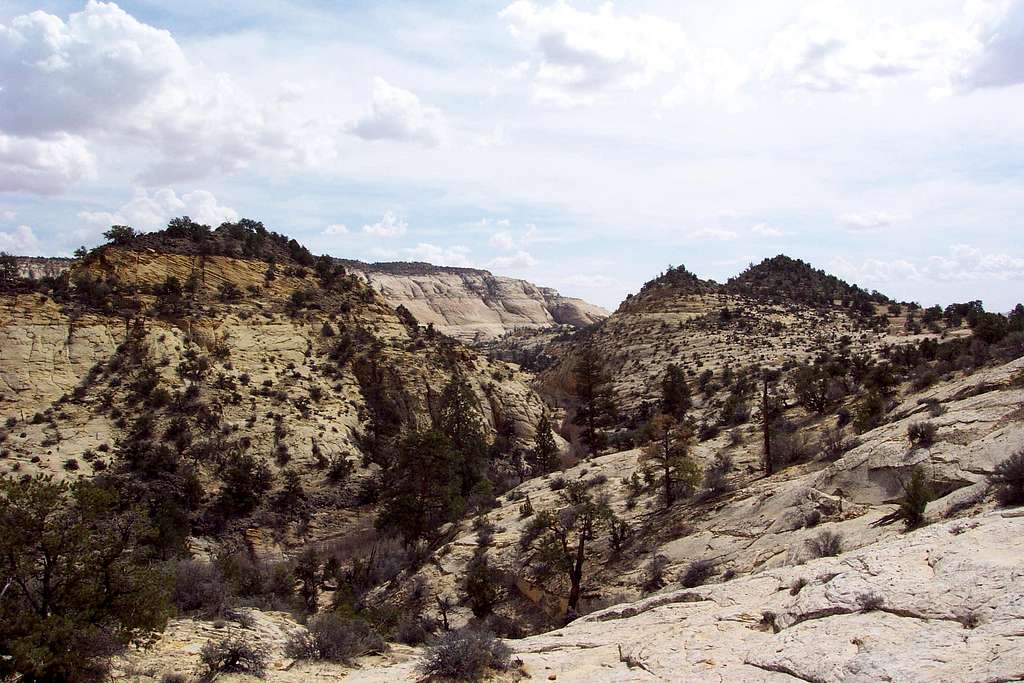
(962, 262)
(335, 229)
(457, 255)
(831, 48)
(765, 230)
(103, 79)
(20, 241)
(580, 53)
(520, 259)
(867, 221)
(390, 225)
(43, 166)
(397, 114)
(151, 211)
(998, 60)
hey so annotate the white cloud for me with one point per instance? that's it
(21, 241)
(520, 259)
(713, 234)
(335, 229)
(867, 221)
(151, 211)
(963, 262)
(502, 240)
(580, 53)
(104, 80)
(8, 216)
(43, 166)
(998, 27)
(765, 230)
(388, 226)
(398, 114)
(834, 49)
(457, 255)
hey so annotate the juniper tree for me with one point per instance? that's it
(73, 575)
(556, 541)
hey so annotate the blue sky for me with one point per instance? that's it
(581, 145)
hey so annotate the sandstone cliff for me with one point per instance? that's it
(473, 304)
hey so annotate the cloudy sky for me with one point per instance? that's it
(580, 145)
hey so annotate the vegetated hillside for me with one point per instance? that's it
(334, 471)
(782, 278)
(472, 304)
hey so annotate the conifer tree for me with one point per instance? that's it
(593, 390)
(669, 451)
(675, 392)
(460, 421)
(543, 457)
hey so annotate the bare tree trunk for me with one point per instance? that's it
(769, 466)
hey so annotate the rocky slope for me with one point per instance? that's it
(471, 304)
(284, 369)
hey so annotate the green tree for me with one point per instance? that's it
(593, 390)
(675, 392)
(916, 496)
(120, 234)
(555, 541)
(77, 585)
(543, 457)
(669, 451)
(422, 487)
(811, 386)
(460, 420)
(8, 270)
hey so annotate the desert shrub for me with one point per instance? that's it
(333, 637)
(653, 576)
(707, 431)
(174, 678)
(825, 544)
(921, 434)
(869, 412)
(466, 655)
(715, 475)
(526, 509)
(1008, 476)
(199, 588)
(916, 496)
(697, 573)
(797, 586)
(233, 655)
(557, 484)
(833, 444)
(869, 602)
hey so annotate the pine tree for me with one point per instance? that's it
(669, 451)
(543, 457)
(675, 392)
(422, 488)
(593, 390)
(461, 422)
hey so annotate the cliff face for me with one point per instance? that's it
(38, 267)
(473, 304)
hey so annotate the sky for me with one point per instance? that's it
(580, 145)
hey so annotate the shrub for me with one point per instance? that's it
(233, 655)
(916, 496)
(825, 544)
(921, 434)
(697, 573)
(653, 577)
(715, 475)
(1008, 476)
(481, 586)
(199, 588)
(465, 655)
(335, 638)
